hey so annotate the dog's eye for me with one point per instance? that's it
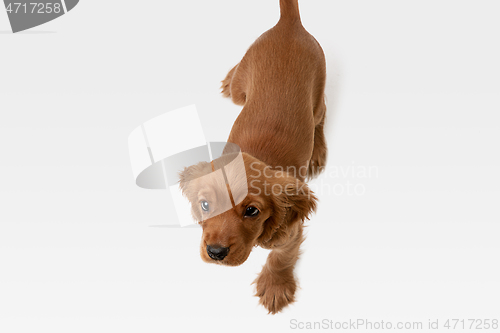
(204, 206)
(251, 211)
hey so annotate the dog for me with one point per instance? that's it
(280, 83)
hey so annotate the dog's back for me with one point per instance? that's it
(280, 81)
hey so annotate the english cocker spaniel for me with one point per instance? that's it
(280, 83)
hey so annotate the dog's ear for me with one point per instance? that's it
(292, 202)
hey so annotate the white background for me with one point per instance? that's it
(413, 90)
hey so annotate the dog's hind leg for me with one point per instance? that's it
(318, 158)
(226, 83)
(232, 85)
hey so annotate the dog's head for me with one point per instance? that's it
(238, 211)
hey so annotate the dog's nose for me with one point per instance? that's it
(217, 252)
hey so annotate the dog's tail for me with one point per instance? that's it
(289, 10)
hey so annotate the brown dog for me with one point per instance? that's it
(280, 82)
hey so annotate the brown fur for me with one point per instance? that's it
(280, 83)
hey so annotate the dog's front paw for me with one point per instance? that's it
(275, 291)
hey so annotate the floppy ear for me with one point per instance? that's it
(292, 202)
